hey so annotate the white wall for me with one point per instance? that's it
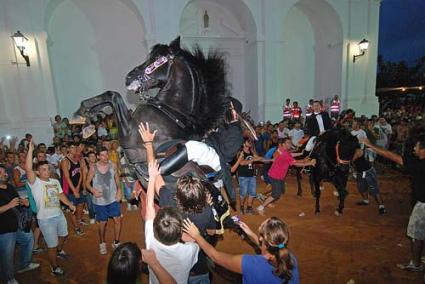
(107, 38)
(105, 41)
(298, 58)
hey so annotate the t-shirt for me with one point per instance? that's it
(246, 170)
(257, 270)
(284, 133)
(177, 259)
(296, 135)
(46, 196)
(416, 168)
(204, 221)
(360, 134)
(8, 219)
(281, 164)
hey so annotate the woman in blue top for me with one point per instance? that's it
(275, 264)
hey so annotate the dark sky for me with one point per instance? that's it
(402, 30)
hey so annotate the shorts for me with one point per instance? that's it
(77, 201)
(52, 228)
(248, 185)
(367, 181)
(103, 212)
(416, 226)
(278, 188)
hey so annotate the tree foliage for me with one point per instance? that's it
(397, 74)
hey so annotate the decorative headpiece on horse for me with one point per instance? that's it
(143, 81)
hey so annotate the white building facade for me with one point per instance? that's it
(275, 49)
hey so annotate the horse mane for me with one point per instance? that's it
(213, 97)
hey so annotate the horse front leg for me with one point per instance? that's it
(299, 177)
(315, 190)
(340, 184)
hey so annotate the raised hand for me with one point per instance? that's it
(145, 132)
(153, 169)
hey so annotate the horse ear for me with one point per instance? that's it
(175, 44)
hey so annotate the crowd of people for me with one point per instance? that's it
(38, 183)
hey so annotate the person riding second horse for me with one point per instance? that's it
(217, 151)
(316, 124)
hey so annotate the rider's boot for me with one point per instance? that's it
(175, 161)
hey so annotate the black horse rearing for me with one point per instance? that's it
(191, 100)
(334, 151)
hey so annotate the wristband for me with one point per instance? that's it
(147, 142)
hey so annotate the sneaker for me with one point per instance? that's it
(134, 207)
(62, 254)
(29, 267)
(115, 244)
(411, 267)
(58, 271)
(261, 197)
(13, 281)
(260, 208)
(83, 223)
(382, 210)
(102, 248)
(362, 202)
(129, 208)
(37, 250)
(79, 232)
(85, 212)
(92, 221)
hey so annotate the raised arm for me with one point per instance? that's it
(153, 174)
(229, 261)
(31, 176)
(148, 137)
(384, 153)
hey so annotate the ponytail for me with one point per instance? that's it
(282, 263)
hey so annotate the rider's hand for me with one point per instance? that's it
(145, 132)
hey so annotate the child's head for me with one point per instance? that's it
(125, 264)
(167, 226)
(273, 237)
(190, 194)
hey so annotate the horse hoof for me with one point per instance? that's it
(338, 213)
(317, 212)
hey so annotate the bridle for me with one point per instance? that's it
(145, 77)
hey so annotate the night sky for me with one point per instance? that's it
(402, 30)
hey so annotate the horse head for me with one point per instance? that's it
(189, 82)
(155, 71)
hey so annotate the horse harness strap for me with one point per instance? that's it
(182, 120)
